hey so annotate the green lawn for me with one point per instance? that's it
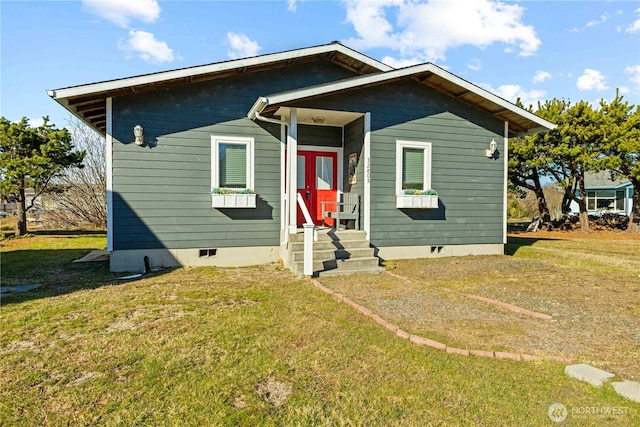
(249, 346)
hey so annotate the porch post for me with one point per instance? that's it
(505, 157)
(366, 210)
(284, 207)
(109, 158)
(292, 153)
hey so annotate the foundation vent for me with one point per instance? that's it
(207, 253)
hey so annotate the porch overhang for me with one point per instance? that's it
(521, 122)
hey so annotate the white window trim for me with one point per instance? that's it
(216, 140)
(426, 146)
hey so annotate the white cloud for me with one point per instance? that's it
(241, 46)
(541, 76)
(635, 27)
(634, 75)
(400, 63)
(121, 12)
(475, 64)
(512, 92)
(624, 89)
(34, 123)
(603, 18)
(292, 5)
(426, 30)
(147, 47)
(591, 80)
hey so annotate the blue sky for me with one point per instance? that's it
(535, 50)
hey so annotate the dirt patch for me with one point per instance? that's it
(590, 288)
(595, 234)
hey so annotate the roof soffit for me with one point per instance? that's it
(521, 122)
(88, 102)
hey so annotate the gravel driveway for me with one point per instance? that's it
(591, 292)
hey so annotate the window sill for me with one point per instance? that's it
(411, 201)
(233, 200)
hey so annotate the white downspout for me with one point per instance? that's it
(285, 173)
(269, 119)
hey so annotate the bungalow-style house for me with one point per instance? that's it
(221, 164)
(605, 195)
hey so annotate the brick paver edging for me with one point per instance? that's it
(418, 340)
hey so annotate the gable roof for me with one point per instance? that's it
(521, 121)
(88, 101)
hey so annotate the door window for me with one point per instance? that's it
(301, 172)
(324, 173)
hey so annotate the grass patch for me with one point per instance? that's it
(247, 346)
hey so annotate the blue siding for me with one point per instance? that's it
(470, 186)
(161, 193)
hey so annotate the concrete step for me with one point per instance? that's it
(346, 266)
(342, 271)
(327, 254)
(331, 235)
(325, 245)
(335, 252)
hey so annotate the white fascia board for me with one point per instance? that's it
(538, 129)
(257, 107)
(362, 58)
(544, 124)
(211, 68)
(353, 82)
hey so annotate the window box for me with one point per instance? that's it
(417, 201)
(233, 200)
(413, 176)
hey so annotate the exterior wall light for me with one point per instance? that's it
(138, 132)
(493, 147)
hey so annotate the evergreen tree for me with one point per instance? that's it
(575, 143)
(529, 156)
(32, 158)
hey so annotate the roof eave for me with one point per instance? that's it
(538, 129)
(537, 124)
(186, 73)
(257, 107)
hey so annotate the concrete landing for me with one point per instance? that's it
(628, 389)
(587, 373)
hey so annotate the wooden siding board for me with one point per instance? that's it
(354, 144)
(174, 209)
(162, 190)
(323, 136)
(459, 134)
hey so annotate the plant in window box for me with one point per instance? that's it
(233, 198)
(417, 199)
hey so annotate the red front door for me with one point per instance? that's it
(317, 182)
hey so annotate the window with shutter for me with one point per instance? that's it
(232, 162)
(413, 166)
(233, 166)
